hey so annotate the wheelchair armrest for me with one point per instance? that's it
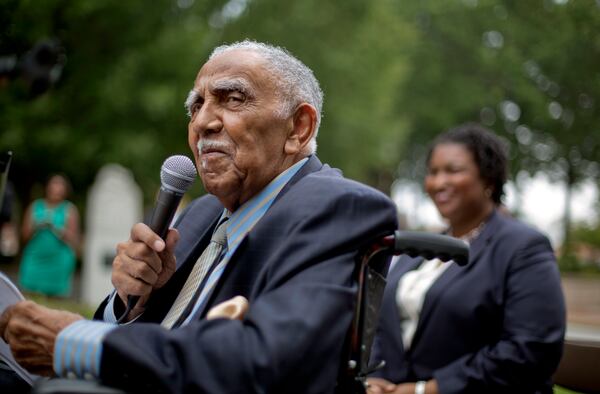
(72, 386)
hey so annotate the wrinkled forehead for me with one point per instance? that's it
(235, 67)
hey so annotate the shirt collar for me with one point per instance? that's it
(248, 214)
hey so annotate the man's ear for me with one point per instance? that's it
(304, 123)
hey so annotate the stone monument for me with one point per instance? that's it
(114, 205)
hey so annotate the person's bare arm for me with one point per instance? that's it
(71, 234)
(27, 228)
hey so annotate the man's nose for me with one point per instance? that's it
(207, 120)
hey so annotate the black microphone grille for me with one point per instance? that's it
(177, 173)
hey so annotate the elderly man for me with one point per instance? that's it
(291, 226)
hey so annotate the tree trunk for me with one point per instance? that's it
(567, 248)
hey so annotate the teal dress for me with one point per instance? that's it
(48, 262)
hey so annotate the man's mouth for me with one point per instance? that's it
(210, 148)
(208, 151)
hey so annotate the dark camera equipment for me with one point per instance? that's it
(39, 68)
(5, 158)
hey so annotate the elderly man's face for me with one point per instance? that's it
(235, 132)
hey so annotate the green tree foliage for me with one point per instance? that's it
(509, 64)
(120, 98)
(588, 234)
(356, 50)
(129, 66)
(524, 68)
(394, 73)
(585, 249)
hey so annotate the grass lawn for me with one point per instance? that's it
(561, 390)
(61, 303)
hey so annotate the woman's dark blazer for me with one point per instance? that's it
(495, 325)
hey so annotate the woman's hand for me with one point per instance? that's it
(382, 386)
(379, 386)
(409, 388)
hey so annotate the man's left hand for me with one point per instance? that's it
(30, 330)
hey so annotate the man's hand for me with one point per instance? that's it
(30, 330)
(144, 263)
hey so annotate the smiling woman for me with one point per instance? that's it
(495, 325)
(466, 173)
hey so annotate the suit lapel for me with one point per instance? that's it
(447, 279)
(194, 236)
(313, 164)
(402, 266)
(478, 245)
(389, 312)
(195, 231)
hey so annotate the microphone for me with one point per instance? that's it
(176, 176)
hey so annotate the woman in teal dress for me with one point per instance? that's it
(51, 230)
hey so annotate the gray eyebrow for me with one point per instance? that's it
(232, 85)
(192, 97)
(223, 85)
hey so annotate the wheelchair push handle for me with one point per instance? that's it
(417, 243)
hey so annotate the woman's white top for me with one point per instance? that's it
(414, 285)
(412, 288)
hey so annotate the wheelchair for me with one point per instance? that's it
(372, 264)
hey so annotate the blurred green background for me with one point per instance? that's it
(395, 73)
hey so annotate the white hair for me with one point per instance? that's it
(295, 81)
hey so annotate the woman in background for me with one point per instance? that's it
(493, 326)
(51, 231)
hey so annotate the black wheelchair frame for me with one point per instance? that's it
(372, 266)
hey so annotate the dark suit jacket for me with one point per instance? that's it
(296, 269)
(495, 325)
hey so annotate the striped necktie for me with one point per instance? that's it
(213, 251)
